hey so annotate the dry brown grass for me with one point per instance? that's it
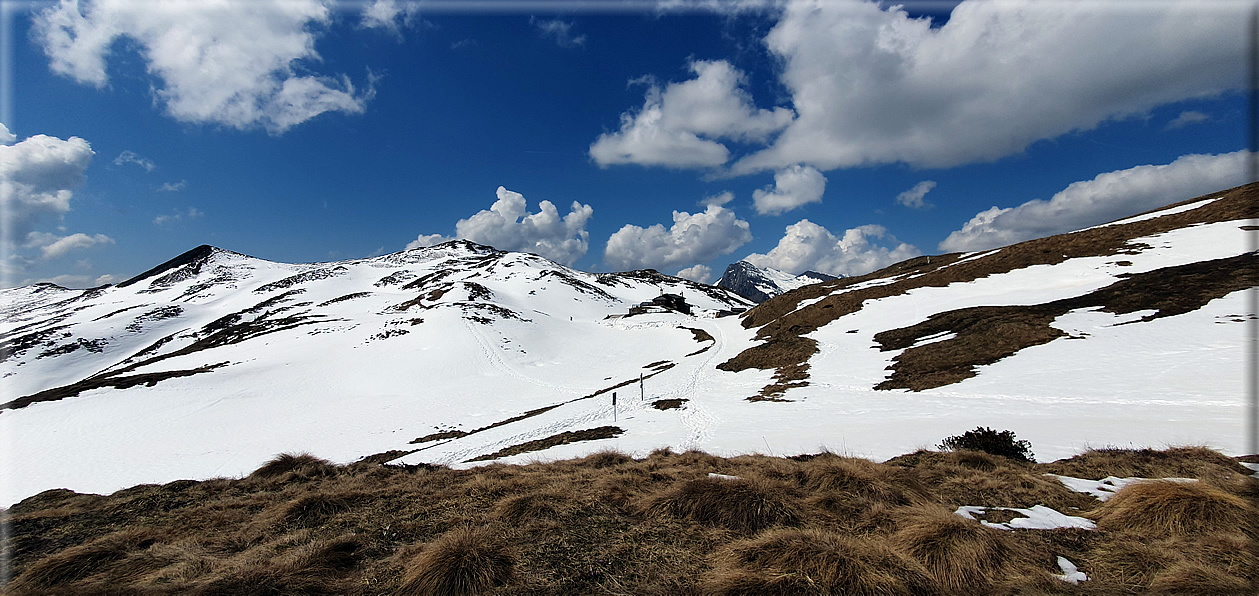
(790, 561)
(960, 554)
(1165, 509)
(742, 505)
(609, 523)
(461, 561)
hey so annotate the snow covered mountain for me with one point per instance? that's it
(1127, 334)
(758, 285)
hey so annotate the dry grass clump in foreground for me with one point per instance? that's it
(1166, 508)
(461, 561)
(609, 523)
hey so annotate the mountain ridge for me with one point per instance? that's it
(214, 361)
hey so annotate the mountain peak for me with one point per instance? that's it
(194, 257)
(759, 285)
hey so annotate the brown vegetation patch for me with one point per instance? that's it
(289, 466)
(564, 438)
(1167, 508)
(461, 561)
(438, 436)
(790, 561)
(741, 504)
(608, 523)
(782, 322)
(353, 296)
(455, 434)
(114, 381)
(1174, 462)
(961, 554)
(668, 404)
(986, 334)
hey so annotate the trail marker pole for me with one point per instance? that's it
(642, 394)
(613, 406)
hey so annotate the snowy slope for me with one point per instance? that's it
(214, 362)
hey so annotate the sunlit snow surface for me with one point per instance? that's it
(353, 384)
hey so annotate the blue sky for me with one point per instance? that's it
(833, 135)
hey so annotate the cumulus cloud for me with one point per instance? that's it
(173, 186)
(691, 239)
(808, 246)
(699, 273)
(793, 187)
(6, 137)
(127, 157)
(36, 178)
(1186, 118)
(873, 86)
(558, 31)
(232, 62)
(678, 125)
(52, 246)
(425, 240)
(507, 225)
(1107, 197)
(913, 197)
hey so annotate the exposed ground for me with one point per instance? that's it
(821, 524)
(783, 323)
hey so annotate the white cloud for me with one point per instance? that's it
(173, 186)
(107, 279)
(558, 31)
(809, 246)
(1186, 118)
(793, 187)
(700, 273)
(677, 126)
(230, 62)
(872, 86)
(52, 246)
(425, 240)
(6, 137)
(192, 213)
(1107, 197)
(127, 157)
(913, 197)
(718, 199)
(507, 225)
(691, 239)
(389, 15)
(36, 176)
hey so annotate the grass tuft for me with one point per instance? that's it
(461, 561)
(791, 561)
(1165, 508)
(961, 554)
(288, 466)
(741, 505)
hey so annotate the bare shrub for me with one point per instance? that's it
(461, 561)
(741, 505)
(1166, 508)
(791, 561)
